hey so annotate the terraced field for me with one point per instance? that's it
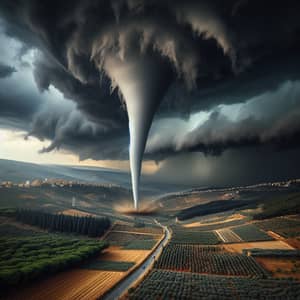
(190, 286)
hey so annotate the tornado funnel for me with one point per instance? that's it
(142, 83)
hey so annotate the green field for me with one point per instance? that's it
(140, 245)
(193, 237)
(106, 265)
(251, 233)
(24, 258)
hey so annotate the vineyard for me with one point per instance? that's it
(210, 260)
(194, 237)
(190, 286)
(283, 226)
(249, 233)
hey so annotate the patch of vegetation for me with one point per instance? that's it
(272, 252)
(211, 208)
(250, 233)
(185, 286)
(280, 206)
(25, 258)
(283, 226)
(87, 225)
(124, 238)
(193, 237)
(107, 265)
(211, 260)
(140, 245)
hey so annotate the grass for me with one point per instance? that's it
(106, 265)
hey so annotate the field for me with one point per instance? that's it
(75, 284)
(210, 260)
(286, 227)
(135, 229)
(190, 286)
(125, 238)
(250, 233)
(113, 253)
(24, 258)
(228, 236)
(239, 247)
(194, 237)
(217, 222)
(76, 212)
(108, 265)
(281, 267)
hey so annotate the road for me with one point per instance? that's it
(122, 287)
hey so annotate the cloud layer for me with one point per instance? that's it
(230, 72)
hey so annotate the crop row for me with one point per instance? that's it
(283, 226)
(250, 233)
(210, 260)
(179, 285)
(193, 237)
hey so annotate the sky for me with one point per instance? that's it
(205, 92)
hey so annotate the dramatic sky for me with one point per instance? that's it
(225, 76)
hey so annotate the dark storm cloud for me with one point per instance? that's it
(5, 70)
(217, 52)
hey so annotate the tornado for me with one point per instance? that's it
(142, 82)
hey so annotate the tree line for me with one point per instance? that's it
(87, 225)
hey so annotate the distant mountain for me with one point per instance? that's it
(17, 171)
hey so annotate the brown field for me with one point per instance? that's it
(75, 212)
(294, 242)
(281, 267)
(114, 253)
(262, 245)
(71, 285)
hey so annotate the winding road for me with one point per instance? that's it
(124, 285)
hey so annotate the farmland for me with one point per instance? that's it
(75, 284)
(210, 260)
(228, 236)
(286, 227)
(281, 267)
(194, 237)
(26, 258)
(125, 238)
(162, 284)
(249, 233)
(239, 247)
